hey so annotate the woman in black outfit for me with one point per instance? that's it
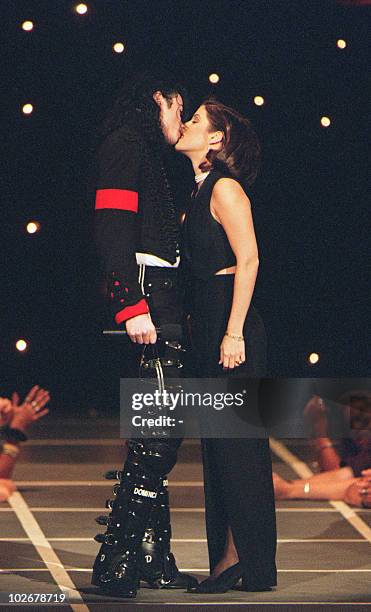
(221, 254)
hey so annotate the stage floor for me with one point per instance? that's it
(47, 529)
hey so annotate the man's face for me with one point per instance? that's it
(170, 116)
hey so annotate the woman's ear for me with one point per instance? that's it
(216, 138)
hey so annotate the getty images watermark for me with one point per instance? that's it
(162, 408)
(231, 408)
(179, 399)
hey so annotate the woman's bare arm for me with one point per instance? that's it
(231, 207)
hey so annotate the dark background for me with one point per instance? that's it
(309, 203)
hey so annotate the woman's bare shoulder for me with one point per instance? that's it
(228, 190)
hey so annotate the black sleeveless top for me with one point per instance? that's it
(206, 248)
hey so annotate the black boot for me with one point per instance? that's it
(115, 568)
(157, 564)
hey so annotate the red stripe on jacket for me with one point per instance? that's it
(120, 199)
(140, 307)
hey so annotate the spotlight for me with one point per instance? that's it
(214, 78)
(341, 43)
(259, 100)
(119, 47)
(27, 26)
(27, 109)
(325, 121)
(21, 345)
(32, 227)
(313, 358)
(81, 9)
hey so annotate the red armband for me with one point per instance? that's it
(120, 199)
(129, 312)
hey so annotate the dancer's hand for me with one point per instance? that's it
(7, 487)
(359, 493)
(232, 352)
(32, 408)
(6, 411)
(316, 416)
(141, 330)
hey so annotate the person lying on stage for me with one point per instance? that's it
(15, 419)
(337, 485)
(345, 473)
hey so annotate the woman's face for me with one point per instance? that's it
(196, 136)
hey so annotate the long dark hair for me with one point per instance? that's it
(240, 152)
(135, 100)
(135, 106)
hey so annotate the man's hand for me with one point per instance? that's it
(140, 329)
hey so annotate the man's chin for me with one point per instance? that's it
(178, 144)
(176, 139)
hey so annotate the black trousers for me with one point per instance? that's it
(163, 291)
(237, 471)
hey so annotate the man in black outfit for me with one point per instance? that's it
(137, 239)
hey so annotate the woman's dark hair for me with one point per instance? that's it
(240, 152)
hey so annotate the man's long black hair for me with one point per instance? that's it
(135, 99)
(135, 105)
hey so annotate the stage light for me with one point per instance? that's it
(32, 227)
(27, 26)
(313, 358)
(81, 9)
(341, 43)
(259, 100)
(119, 47)
(21, 345)
(27, 109)
(325, 121)
(214, 78)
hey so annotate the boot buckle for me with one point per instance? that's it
(109, 539)
(113, 475)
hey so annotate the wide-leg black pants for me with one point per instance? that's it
(237, 471)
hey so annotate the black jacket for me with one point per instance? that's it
(134, 212)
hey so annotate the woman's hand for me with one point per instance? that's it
(6, 411)
(232, 352)
(32, 408)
